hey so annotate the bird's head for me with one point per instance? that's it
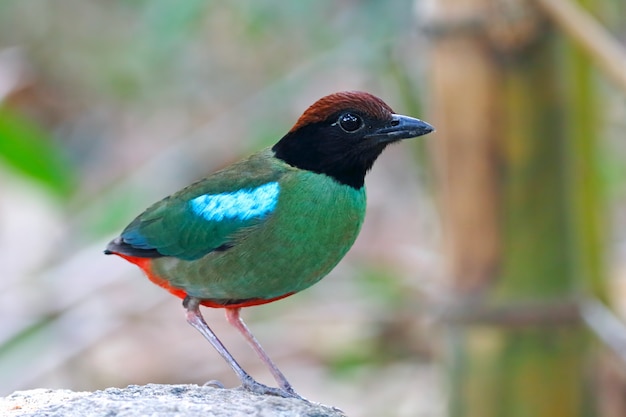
(342, 134)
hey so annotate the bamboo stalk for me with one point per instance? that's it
(590, 35)
(509, 172)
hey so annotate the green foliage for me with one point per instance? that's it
(31, 151)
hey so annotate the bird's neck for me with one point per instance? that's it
(306, 150)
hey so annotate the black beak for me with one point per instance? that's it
(401, 127)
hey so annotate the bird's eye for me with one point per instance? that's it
(350, 122)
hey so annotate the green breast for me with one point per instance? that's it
(315, 223)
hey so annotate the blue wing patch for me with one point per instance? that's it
(242, 204)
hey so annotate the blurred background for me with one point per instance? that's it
(490, 275)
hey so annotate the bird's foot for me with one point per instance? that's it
(256, 387)
(289, 392)
(214, 383)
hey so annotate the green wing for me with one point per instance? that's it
(210, 215)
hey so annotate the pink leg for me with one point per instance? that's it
(194, 317)
(233, 317)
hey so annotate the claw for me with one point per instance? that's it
(256, 387)
(214, 383)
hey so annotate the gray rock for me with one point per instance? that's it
(155, 400)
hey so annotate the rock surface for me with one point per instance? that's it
(157, 400)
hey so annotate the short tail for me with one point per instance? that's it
(118, 247)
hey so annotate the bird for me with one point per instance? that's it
(270, 225)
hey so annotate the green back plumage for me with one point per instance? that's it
(314, 223)
(172, 228)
